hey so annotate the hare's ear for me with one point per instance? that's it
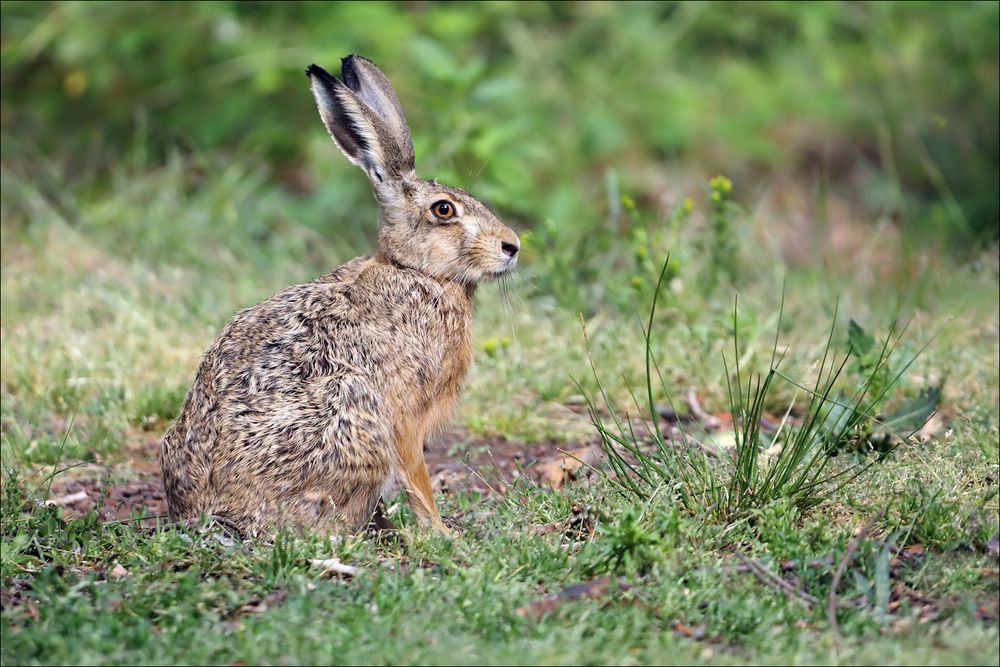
(373, 88)
(379, 144)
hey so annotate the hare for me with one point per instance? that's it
(312, 405)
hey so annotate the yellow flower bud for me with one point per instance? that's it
(75, 82)
(721, 184)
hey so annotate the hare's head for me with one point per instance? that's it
(424, 225)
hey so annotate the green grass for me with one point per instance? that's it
(188, 598)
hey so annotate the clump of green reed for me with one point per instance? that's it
(794, 462)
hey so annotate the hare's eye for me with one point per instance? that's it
(443, 209)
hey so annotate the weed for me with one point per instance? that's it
(723, 261)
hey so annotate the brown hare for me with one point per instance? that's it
(314, 404)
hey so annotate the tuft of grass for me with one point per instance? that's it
(795, 462)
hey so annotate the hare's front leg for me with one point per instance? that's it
(410, 444)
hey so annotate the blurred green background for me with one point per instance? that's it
(543, 109)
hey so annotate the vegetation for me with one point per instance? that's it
(776, 223)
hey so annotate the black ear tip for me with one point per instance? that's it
(317, 71)
(349, 73)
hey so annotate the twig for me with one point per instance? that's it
(476, 473)
(68, 499)
(675, 434)
(766, 576)
(711, 422)
(831, 599)
(334, 566)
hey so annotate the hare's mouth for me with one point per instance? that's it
(509, 265)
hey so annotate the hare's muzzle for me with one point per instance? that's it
(509, 246)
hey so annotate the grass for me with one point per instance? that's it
(101, 334)
(783, 460)
(188, 598)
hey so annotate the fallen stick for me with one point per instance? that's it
(711, 422)
(68, 499)
(769, 578)
(334, 566)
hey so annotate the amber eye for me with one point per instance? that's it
(443, 209)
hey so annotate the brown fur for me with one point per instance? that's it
(312, 405)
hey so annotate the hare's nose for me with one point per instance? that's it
(510, 249)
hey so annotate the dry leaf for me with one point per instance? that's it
(257, 605)
(931, 428)
(561, 469)
(696, 632)
(725, 440)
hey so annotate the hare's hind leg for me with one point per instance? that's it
(410, 445)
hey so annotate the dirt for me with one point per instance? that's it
(114, 501)
(457, 462)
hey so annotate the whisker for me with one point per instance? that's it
(475, 179)
(509, 309)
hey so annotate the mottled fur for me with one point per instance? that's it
(314, 403)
